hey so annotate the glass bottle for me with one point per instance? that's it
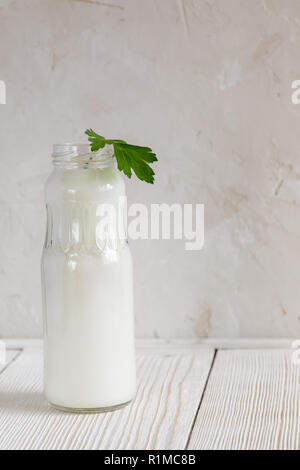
(89, 363)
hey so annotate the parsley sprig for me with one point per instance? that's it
(129, 157)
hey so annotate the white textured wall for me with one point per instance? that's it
(207, 84)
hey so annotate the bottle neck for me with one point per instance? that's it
(72, 156)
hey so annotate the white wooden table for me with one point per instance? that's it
(191, 395)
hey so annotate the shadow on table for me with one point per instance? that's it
(26, 402)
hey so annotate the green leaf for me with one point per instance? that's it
(97, 141)
(129, 157)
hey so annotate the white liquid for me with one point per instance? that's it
(88, 324)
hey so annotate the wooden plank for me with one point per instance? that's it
(161, 417)
(183, 344)
(252, 401)
(219, 343)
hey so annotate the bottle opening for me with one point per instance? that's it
(72, 155)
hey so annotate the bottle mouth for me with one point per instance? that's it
(74, 155)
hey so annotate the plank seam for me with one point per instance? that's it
(13, 359)
(201, 399)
